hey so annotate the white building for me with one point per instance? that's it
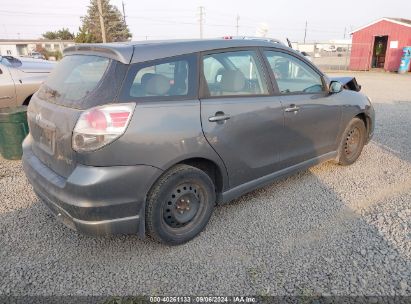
(330, 45)
(17, 47)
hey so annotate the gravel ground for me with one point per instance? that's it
(329, 230)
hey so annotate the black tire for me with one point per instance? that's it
(352, 142)
(171, 218)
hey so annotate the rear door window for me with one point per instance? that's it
(234, 73)
(166, 79)
(161, 79)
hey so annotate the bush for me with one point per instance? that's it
(47, 54)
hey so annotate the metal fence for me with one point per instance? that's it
(329, 56)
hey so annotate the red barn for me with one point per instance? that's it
(379, 44)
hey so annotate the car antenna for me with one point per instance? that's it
(289, 43)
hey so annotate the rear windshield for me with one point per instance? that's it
(74, 78)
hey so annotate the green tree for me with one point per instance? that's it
(50, 35)
(84, 36)
(90, 31)
(63, 34)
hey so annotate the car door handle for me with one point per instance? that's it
(5, 97)
(218, 117)
(292, 108)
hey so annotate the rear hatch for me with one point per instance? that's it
(77, 83)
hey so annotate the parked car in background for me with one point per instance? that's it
(149, 137)
(330, 48)
(20, 78)
(37, 55)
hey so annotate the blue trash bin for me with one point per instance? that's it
(405, 60)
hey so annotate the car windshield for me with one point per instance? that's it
(10, 61)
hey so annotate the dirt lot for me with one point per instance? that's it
(327, 230)
(333, 61)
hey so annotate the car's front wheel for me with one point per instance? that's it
(352, 142)
(179, 205)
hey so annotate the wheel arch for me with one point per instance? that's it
(369, 122)
(347, 117)
(356, 112)
(216, 172)
(210, 168)
(27, 100)
(365, 119)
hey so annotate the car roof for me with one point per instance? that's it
(26, 64)
(140, 51)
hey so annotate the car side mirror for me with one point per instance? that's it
(335, 87)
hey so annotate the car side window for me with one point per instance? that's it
(293, 75)
(234, 73)
(164, 79)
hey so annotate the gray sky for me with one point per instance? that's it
(165, 19)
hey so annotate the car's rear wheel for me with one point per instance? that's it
(352, 142)
(179, 205)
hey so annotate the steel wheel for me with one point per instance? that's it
(179, 205)
(183, 205)
(352, 142)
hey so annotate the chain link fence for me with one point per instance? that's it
(338, 57)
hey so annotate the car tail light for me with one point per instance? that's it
(100, 126)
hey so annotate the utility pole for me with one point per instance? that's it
(201, 20)
(345, 32)
(124, 13)
(238, 23)
(103, 29)
(305, 31)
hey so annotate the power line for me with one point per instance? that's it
(42, 25)
(169, 21)
(34, 14)
(215, 22)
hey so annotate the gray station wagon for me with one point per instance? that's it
(147, 137)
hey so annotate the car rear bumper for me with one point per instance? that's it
(126, 225)
(93, 200)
